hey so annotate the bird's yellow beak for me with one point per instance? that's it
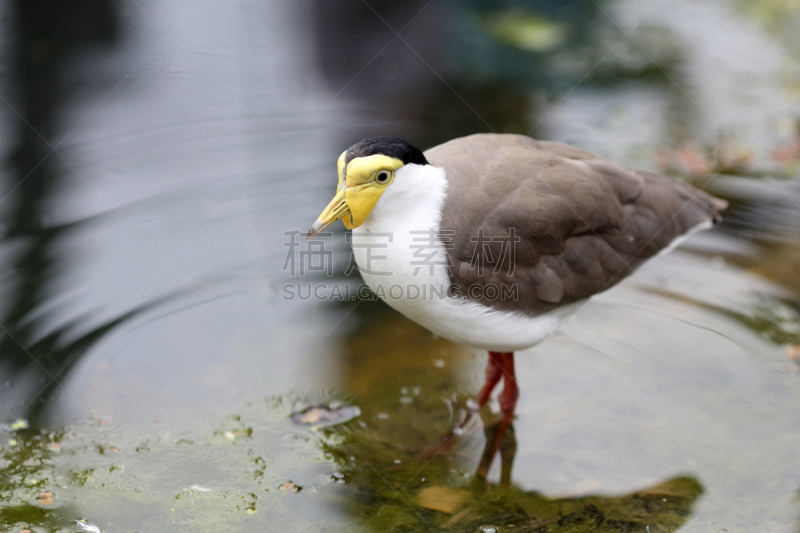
(335, 210)
(358, 191)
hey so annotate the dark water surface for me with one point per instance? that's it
(156, 158)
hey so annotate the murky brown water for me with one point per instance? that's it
(150, 359)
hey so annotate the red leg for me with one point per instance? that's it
(508, 398)
(494, 371)
(508, 401)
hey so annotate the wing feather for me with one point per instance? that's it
(582, 222)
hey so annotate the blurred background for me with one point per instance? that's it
(158, 161)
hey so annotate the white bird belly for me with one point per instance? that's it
(462, 321)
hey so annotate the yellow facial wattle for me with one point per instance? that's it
(361, 183)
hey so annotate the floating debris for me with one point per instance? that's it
(443, 499)
(231, 434)
(289, 487)
(87, 528)
(319, 416)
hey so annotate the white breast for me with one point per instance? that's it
(403, 261)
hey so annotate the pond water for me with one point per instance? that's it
(157, 336)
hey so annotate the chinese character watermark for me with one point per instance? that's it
(315, 258)
(423, 251)
(482, 253)
(427, 249)
(368, 242)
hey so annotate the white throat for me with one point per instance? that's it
(397, 249)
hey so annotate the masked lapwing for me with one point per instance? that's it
(491, 240)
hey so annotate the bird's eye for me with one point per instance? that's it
(383, 176)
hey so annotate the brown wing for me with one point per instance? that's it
(581, 223)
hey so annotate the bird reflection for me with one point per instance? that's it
(409, 386)
(507, 451)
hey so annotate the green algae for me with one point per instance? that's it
(231, 473)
